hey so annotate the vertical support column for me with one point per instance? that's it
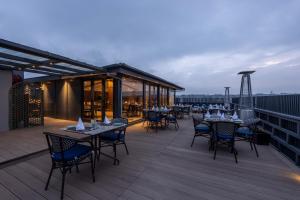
(117, 104)
(158, 96)
(168, 96)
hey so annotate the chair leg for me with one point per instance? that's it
(255, 150)
(235, 155)
(77, 168)
(115, 153)
(126, 148)
(99, 148)
(92, 167)
(215, 152)
(48, 181)
(63, 183)
(193, 141)
(250, 142)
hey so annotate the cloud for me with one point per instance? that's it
(198, 44)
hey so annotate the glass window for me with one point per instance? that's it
(147, 90)
(87, 99)
(98, 99)
(163, 96)
(109, 98)
(171, 97)
(153, 96)
(132, 99)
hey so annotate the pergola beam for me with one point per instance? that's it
(48, 63)
(37, 52)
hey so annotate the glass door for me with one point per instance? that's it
(92, 99)
(87, 100)
(98, 97)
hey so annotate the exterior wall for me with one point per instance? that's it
(62, 99)
(5, 82)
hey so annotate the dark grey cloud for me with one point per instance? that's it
(198, 44)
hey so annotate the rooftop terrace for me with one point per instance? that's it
(160, 165)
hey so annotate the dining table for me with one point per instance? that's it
(90, 133)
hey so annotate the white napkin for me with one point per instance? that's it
(152, 107)
(219, 114)
(222, 116)
(210, 106)
(235, 116)
(166, 108)
(80, 125)
(207, 115)
(106, 120)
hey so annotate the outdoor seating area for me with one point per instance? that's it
(152, 171)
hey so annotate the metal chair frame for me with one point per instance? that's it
(65, 143)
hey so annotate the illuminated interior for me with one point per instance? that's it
(132, 99)
(109, 98)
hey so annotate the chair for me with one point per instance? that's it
(224, 133)
(153, 119)
(66, 153)
(178, 112)
(247, 132)
(171, 119)
(186, 110)
(201, 129)
(114, 138)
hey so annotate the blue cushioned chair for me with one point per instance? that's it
(172, 119)
(114, 138)
(201, 129)
(66, 153)
(153, 120)
(247, 132)
(224, 133)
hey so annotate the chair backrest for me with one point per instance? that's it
(187, 109)
(153, 116)
(224, 128)
(251, 123)
(121, 120)
(58, 143)
(197, 120)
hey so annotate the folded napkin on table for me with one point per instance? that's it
(235, 116)
(80, 125)
(222, 116)
(207, 115)
(218, 113)
(106, 120)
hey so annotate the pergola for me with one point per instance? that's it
(19, 57)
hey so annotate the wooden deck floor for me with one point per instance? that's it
(21, 142)
(162, 166)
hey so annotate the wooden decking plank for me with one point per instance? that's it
(33, 182)
(6, 194)
(18, 188)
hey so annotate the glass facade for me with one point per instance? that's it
(109, 98)
(98, 93)
(171, 97)
(153, 96)
(163, 100)
(92, 99)
(147, 95)
(132, 98)
(99, 98)
(87, 100)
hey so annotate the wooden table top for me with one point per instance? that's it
(81, 135)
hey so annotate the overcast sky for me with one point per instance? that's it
(200, 45)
